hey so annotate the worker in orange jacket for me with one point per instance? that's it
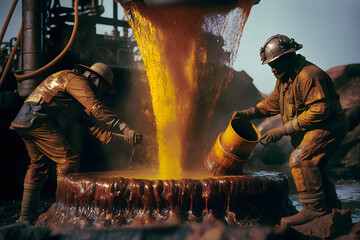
(59, 100)
(312, 115)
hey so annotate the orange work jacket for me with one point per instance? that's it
(309, 94)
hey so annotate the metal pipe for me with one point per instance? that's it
(32, 44)
(72, 38)
(115, 10)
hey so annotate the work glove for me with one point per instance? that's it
(131, 137)
(128, 135)
(276, 134)
(248, 114)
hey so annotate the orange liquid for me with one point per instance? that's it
(176, 57)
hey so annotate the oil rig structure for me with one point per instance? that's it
(53, 32)
(56, 35)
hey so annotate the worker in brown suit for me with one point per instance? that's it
(59, 100)
(311, 113)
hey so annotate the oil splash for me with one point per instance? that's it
(184, 85)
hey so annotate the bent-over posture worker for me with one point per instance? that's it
(59, 100)
(311, 113)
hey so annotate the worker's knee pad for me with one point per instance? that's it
(307, 176)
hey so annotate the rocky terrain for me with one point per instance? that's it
(332, 226)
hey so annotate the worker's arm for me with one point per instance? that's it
(98, 132)
(274, 135)
(267, 107)
(270, 106)
(316, 103)
(80, 89)
(316, 110)
(248, 114)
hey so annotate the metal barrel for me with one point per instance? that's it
(240, 137)
(232, 148)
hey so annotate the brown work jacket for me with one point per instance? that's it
(61, 98)
(309, 95)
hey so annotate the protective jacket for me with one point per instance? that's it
(61, 98)
(309, 95)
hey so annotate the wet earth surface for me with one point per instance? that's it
(349, 194)
(10, 210)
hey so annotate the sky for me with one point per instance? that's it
(328, 29)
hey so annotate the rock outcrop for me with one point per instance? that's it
(346, 161)
(330, 226)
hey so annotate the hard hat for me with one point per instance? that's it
(104, 71)
(277, 46)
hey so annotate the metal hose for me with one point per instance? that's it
(11, 57)
(8, 20)
(72, 38)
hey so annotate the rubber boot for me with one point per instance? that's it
(309, 212)
(331, 198)
(333, 203)
(29, 203)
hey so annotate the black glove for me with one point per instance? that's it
(248, 114)
(276, 134)
(131, 136)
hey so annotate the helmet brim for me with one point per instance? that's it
(112, 89)
(277, 56)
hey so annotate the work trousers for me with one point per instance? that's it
(46, 140)
(310, 157)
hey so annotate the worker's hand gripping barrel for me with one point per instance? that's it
(232, 148)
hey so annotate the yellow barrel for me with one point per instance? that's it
(232, 148)
(220, 162)
(240, 137)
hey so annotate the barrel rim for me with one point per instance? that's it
(253, 126)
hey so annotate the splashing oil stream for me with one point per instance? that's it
(171, 43)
